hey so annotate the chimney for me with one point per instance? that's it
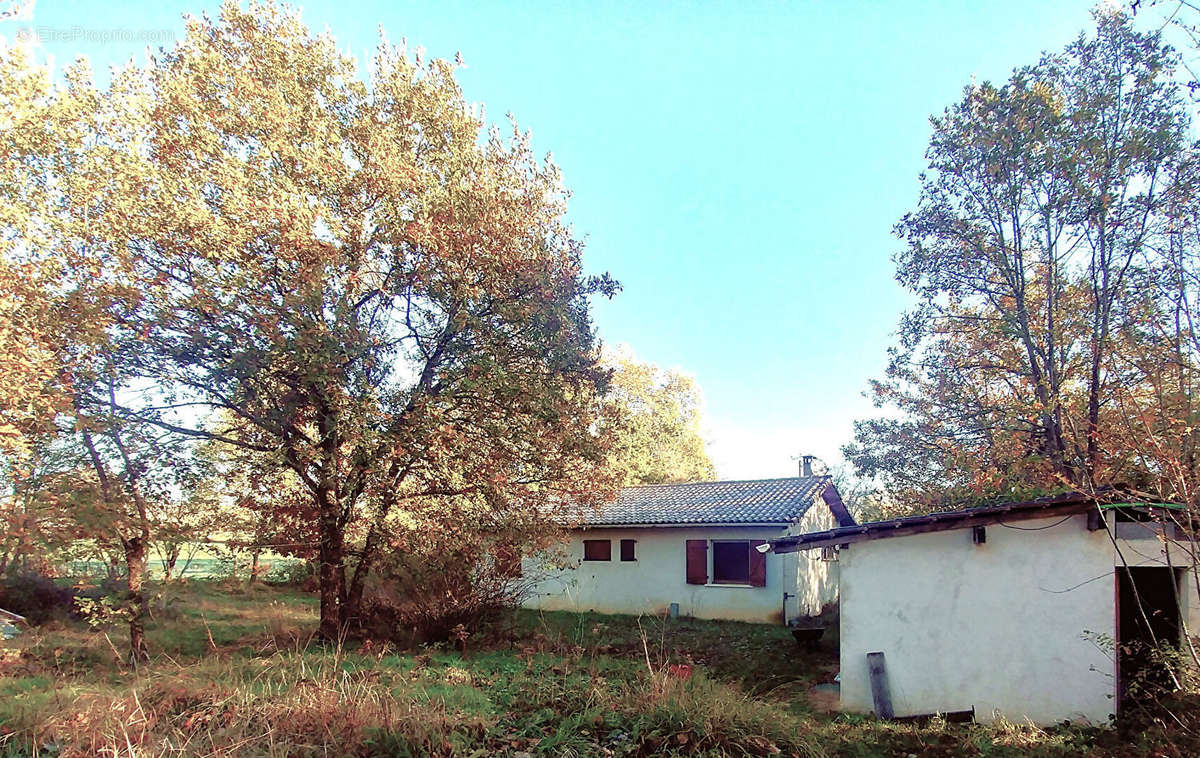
(806, 465)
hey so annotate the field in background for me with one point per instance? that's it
(235, 673)
(203, 563)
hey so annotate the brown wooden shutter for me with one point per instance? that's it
(597, 550)
(758, 564)
(697, 561)
(627, 550)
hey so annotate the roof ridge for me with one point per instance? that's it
(729, 481)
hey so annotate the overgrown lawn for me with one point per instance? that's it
(236, 673)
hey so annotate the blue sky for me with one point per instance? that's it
(738, 166)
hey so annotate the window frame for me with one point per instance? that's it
(712, 561)
(632, 544)
(607, 553)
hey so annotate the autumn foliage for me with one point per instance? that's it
(1052, 255)
(252, 243)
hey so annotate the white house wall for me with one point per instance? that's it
(658, 577)
(816, 581)
(1007, 627)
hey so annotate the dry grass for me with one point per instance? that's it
(284, 706)
(301, 703)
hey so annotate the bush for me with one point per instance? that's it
(291, 573)
(436, 596)
(36, 597)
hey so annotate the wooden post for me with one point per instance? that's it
(879, 686)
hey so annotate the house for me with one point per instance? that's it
(697, 549)
(1012, 610)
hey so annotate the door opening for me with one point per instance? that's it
(1148, 631)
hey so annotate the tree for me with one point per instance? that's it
(863, 498)
(71, 168)
(1042, 214)
(365, 291)
(655, 417)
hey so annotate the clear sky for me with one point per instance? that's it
(738, 166)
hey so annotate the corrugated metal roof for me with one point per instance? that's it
(757, 501)
(1053, 505)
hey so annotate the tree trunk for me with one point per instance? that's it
(253, 566)
(358, 581)
(332, 522)
(332, 577)
(1093, 417)
(169, 564)
(136, 602)
(1047, 395)
(168, 574)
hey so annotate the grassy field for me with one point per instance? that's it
(235, 673)
(199, 563)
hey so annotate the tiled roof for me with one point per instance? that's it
(759, 501)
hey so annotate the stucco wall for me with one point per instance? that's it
(657, 578)
(1000, 626)
(816, 581)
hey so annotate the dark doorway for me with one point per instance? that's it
(1147, 626)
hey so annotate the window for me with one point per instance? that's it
(741, 562)
(731, 562)
(597, 550)
(627, 550)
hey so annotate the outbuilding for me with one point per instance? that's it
(1040, 611)
(697, 549)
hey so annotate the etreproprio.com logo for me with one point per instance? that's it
(79, 33)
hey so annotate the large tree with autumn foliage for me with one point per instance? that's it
(1053, 211)
(336, 270)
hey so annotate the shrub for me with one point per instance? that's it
(35, 596)
(435, 597)
(291, 573)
